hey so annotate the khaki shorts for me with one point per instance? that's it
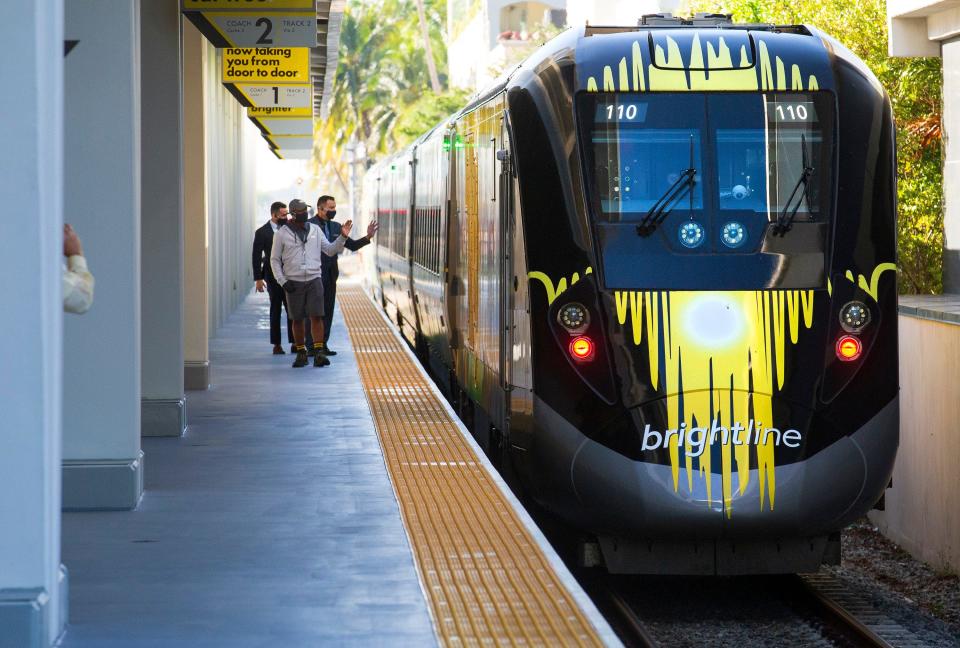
(306, 298)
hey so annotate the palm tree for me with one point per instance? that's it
(428, 50)
(386, 65)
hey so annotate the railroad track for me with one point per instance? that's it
(856, 614)
(816, 610)
(631, 628)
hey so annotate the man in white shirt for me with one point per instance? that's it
(77, 280)
(296, 261)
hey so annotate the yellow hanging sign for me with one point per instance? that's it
(266, 65)
(208, 5)
(257, 28)
(280, 111)
(282, 95)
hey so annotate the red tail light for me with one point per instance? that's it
(581, 348)
(848, 348)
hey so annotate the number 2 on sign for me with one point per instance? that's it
(267, 28)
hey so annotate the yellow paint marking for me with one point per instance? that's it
(668, 71)
(741, 352)
(874, 285)
(553, 291)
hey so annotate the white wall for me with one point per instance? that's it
(923, 506)
(614, 12)
(951, 165)
(230, 193)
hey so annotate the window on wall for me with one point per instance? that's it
(383, 217)
(427, 246)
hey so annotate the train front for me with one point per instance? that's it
(714, 329)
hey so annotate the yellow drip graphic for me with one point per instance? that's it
(715, 71)
(720, 358)
(724, 358)
(870, 286)
(553, 291)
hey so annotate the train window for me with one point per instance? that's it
(684, 187)
(742, 169)
(641, 149)
(764, 153)
(764, 145)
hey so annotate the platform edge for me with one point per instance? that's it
(600, 625)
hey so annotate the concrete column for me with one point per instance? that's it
(103, 467)
(32, 583)
(161, 221)
(951, 166)
(196, 356)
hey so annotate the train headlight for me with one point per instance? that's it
(581, 348)
(574, 317)
(691, 234)
(733, 234)
(854, 316)
(848, 348)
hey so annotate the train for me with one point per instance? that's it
(653, 269)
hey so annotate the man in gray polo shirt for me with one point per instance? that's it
(296, 261)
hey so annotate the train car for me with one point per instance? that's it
(654, 269)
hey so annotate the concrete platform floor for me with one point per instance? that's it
(271, 523)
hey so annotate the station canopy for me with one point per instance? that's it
(275, 57)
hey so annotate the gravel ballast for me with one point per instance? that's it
(909, 591)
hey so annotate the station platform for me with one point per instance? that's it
(342, 505)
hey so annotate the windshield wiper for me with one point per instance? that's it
(658, 213)
(784, 220)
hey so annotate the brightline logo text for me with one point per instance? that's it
(697, 437)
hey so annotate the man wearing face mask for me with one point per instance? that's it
(296, 261)
(263, 274)
(326, 210)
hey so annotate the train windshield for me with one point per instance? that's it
(711, 175)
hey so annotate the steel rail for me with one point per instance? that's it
(813, 585)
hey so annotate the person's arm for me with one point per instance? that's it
(336, 247)
(276, 258)
(77, 286)
(258, 256)
(258, 260)
(355, 244)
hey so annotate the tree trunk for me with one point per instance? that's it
(428, 50)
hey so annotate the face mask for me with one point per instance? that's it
(300, 217)
(331, 213)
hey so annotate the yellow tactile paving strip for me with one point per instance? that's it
(486, 580)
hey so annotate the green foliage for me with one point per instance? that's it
(428, 111)
(382, 80)
(914, 86)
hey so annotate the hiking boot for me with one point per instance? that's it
(320, 360)
(301, 359)
(329, 351)
(278, 350)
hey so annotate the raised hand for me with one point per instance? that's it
(372, 229)
(71, 242)
(345, 229)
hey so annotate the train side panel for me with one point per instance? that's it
(478, 339)
(427, 250)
